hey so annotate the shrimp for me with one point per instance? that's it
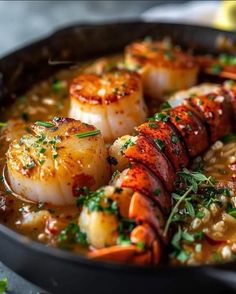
(164, 69)
(56, 159)
(100, 220)
(113, 102)
(118, 161)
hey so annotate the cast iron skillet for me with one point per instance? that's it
(64, 272)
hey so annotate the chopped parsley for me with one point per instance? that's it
(73, 234)
(57, 85)
(161, 117)
(127, 144)
(125, 227)
(153, 126)
(3, 124)
(95, 201)
(216, 68)
(227, 59)
(232, 212)
(174, 138)
(159, 143)
(166, 105)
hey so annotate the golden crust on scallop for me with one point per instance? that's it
(108, 88)
(158, 54)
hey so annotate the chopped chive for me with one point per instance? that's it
(88, 134)
(44, 124)
(3, 124)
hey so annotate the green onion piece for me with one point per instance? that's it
(216, 68)
(3, 285)
(228, 138)
(88, 134)
(3, 124)
(232, 212)
(44, 124)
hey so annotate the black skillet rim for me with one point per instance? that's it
(76, 258)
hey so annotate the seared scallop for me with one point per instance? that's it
(163, 68)
(112, 102)
(57, 159)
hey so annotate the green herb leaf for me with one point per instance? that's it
(216, 68)
(160, 116)
(228, 138)
(232, 212)
(25, 116)
(159, 143)
(88, 134)
(140, 245)
(200, 214)
(183, 256)
(166, 105)
(187, 237)
(127, 144)
(123, 240)
(174, 138)
(198, 248)
(3, 285)
(190, 209)
(44, 124)
(176, 239)
(157, 192)
(73, 234)
(57, 85)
